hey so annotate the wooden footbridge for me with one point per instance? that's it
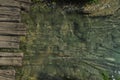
(11, 28)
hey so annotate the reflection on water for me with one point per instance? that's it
(71, 45)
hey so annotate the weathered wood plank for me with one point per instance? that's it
(8, 54)
(13, 33)
(11, 59)
(9, 38)
(12, 26)
(7, 74)
(9, 3)
(10, 10)
(4, 44)
(10, 18)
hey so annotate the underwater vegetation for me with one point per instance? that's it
(70, 46)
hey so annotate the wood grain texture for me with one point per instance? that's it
(12, 26)
(9, 38)
(14, 33)
(11, 29)
(11, 59)
(10, 18)
(5, 44)
(9, 10)
(7, 74)
(9, 54)
(10, 3)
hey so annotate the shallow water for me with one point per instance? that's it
(71, 45)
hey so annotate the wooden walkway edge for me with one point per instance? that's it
(11, 29)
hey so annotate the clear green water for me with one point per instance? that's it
(71, 45)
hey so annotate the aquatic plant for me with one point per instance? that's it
(70, 45)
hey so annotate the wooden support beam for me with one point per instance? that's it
(7, 74)
(5, 44)
(11, 59)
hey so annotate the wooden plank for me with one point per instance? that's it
(10, 3)
(10, 18)
(11, 59)
(8, 54)
(10, 10)
(7, 74)
(13, 33)
(12, 26)
(4, 44)
(9, 38)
